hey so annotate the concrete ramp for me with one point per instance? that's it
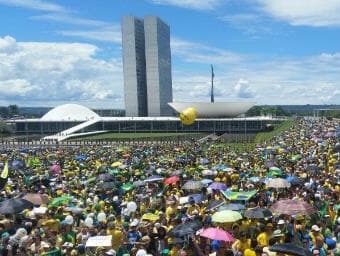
(211, 137)
(63, 135)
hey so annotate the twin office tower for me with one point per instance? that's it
(147, 66)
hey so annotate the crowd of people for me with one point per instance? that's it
(280, 198)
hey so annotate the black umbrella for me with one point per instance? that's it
(14, 205)
(107, 185)
(105, 177)
(232, 207)
(214, 204)
(258, 213)
(290, 249)
(186, 229)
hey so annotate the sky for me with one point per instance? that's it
(264, 51)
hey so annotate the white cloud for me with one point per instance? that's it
(191, 4)
(103, 34)
(35, 5)
(69, 19)
(315, 13)
(200, 53)
(243, 90)
(48, 73)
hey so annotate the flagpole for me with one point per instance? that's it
(212, 100)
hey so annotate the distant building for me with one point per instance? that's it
(147, 66)
(135, 89)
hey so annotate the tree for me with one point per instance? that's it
(5, 129)
(13, 110)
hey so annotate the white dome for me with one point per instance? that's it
(70, 112)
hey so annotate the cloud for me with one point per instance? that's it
(69, 19)
(103, 34)
(49, 73)
(243, 90)
(35, 5)
(249, 23)
(191, 4)
(315, 13)
(200, 53)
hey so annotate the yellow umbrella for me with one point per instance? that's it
(116, 164)
(150, 216)
(226, 216)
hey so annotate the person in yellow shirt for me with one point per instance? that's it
(240, 245)
(170, 210)
(117, 235)
(263, 237)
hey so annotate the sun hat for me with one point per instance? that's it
(281, 222)
(315, 228)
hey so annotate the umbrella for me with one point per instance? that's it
(231, 207)
(206, 181)
(150, 217)
(107, 185)
(154, 178)
(185, 229)
(176, 172)
(17, 164)
(36, 199)
(294, 181)
(171, 180)
(292, 207)
(139, 183)
(269, 164)
(127, 186)
(192, 185)
(217, 234)
(61, 200)
(214, 204)
(80, 158)
(209, 173)
(226, 216)
(258, 213)
(218, 186)
(14, 205)
(74, 210)
(198, 198)
(105, 177)
(278, 183)
(55, 169)
(274, 172)
(116, 164)
(290, 249)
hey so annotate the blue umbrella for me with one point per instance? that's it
(232, 207)
(206, 181)
(218, 186)
(80, 158)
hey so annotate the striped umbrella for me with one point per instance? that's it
(292, 207)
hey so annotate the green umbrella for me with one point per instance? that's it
(296, 158)
(127, 186)
(61, 200)
(226, 216)
(90, 180)
(274, 172)
(113, 171)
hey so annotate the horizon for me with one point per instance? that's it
(272, 52)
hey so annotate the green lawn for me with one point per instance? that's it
(146, 135)
(278, 129)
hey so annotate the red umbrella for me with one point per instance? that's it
(171, 180)
(292, 207)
